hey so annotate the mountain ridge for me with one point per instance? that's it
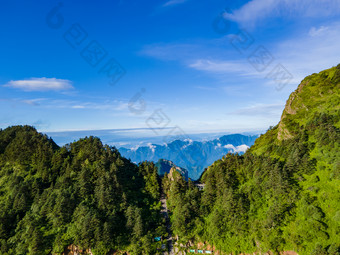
(194, 156)
(282, 194)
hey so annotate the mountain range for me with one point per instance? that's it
(279, 197)
(194, 156)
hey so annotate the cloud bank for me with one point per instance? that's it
(257, 10)
(41, 84)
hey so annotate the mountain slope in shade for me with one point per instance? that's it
(192, 155)
(164, 166)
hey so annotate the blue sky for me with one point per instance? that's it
(203, 66)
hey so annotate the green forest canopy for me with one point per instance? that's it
(84, 194)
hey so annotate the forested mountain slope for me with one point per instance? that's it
(281, 195)
(83, 194)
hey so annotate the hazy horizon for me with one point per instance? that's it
(129, 138)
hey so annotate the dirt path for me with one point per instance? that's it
(165, 214)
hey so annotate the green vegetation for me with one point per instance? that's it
(183, 202)
(83, 194)
(283, 193)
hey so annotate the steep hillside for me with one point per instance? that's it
(83, 195)
(281, 195)
(164, 166)
(317, 94)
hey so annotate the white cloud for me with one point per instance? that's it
(78, 107)
(207, 88)
(171, 51)
(257, 10)
(135, 147)
(174, 2)
(109, 105)
(253, 11)
(317, 31)
(217, 66)
(218, 145)
(313, 50)
(40, 84)
(152, 147)
(229, 146)
(241, 148)
(34, 102)
(266, 110)
(221, 69)
(310, 52)
(188, 51)
(102, 105)
(190, 141)
(303, 52)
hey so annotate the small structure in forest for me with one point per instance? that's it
(200, 251)
(200, 186)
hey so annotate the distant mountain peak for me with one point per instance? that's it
(166, 166)
(194, 156)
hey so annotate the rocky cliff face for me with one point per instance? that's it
(316, 93)
(165, 166)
